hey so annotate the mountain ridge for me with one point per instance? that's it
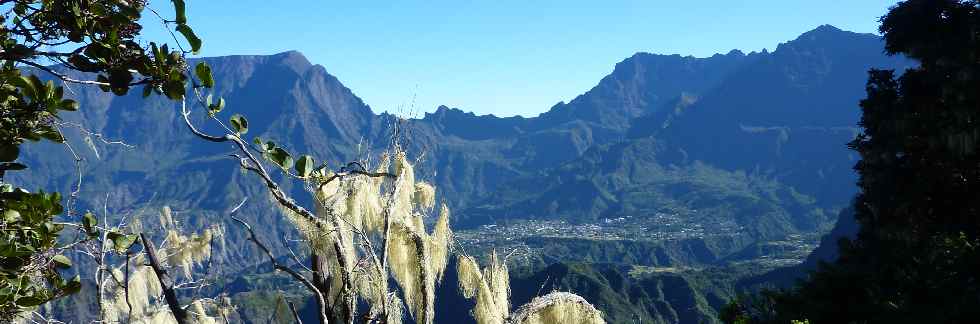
(753, 142)
(304, 108)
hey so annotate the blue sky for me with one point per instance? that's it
(501, 57)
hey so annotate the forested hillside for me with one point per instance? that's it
(745, 144)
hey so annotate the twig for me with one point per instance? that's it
(292, 308)
(65, 78)
(237, 207)
(73, 196)
(129, 304)
(545, 282)
(296, 259)
(187, 120)
(99, 136)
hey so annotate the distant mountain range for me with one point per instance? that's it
(757, 139)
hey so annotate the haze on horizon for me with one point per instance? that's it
(507, 57)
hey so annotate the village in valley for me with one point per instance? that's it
(527, 235)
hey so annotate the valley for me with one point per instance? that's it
(538, 239)
(673, 176)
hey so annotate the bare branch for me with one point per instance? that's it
(321, 301)
(355, 168)
(66, 78)
(295, 257)
(239, 206)
(187, 120)
(129, 304)
(88, 132)
(292, 308)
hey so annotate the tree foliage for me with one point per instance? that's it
(29, 260)
(80, 42)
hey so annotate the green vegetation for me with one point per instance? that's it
(31, 260)
(634, 179)
(99, 38)
(628, 294)
(655, 213)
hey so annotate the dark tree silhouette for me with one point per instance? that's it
(916, 256)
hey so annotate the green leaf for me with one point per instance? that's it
(304, 166)
(26, 85)
(73, 286)
(8, 152)
(30, 301)
(88, 223)
(38, 85)
(238, 123)
(11, 215)
(121, 242)
(68, 105)
(131, 11)
(159, 57)
(12, 166)
(264, 146)
(174, 89)
(50, 134)
(82, 63)
(203, 71)
(19, 51)
(119, 80)
(103, 79)
(281, 158)
(180, 11)
(217, 107)
(190, 36)
(51, 91)
(61, 261)
(59, 92)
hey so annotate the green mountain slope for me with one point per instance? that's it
(746, 146)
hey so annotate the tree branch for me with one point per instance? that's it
(65, 78)
(292, 308)
(187, 121)
(321, 301)
(165, 281)
(61, 76)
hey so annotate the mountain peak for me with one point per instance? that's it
(735, 52)
(826, 33)
(828, 37)
(826, 28)
(241, 67)
(293, 59)
(442, 112)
